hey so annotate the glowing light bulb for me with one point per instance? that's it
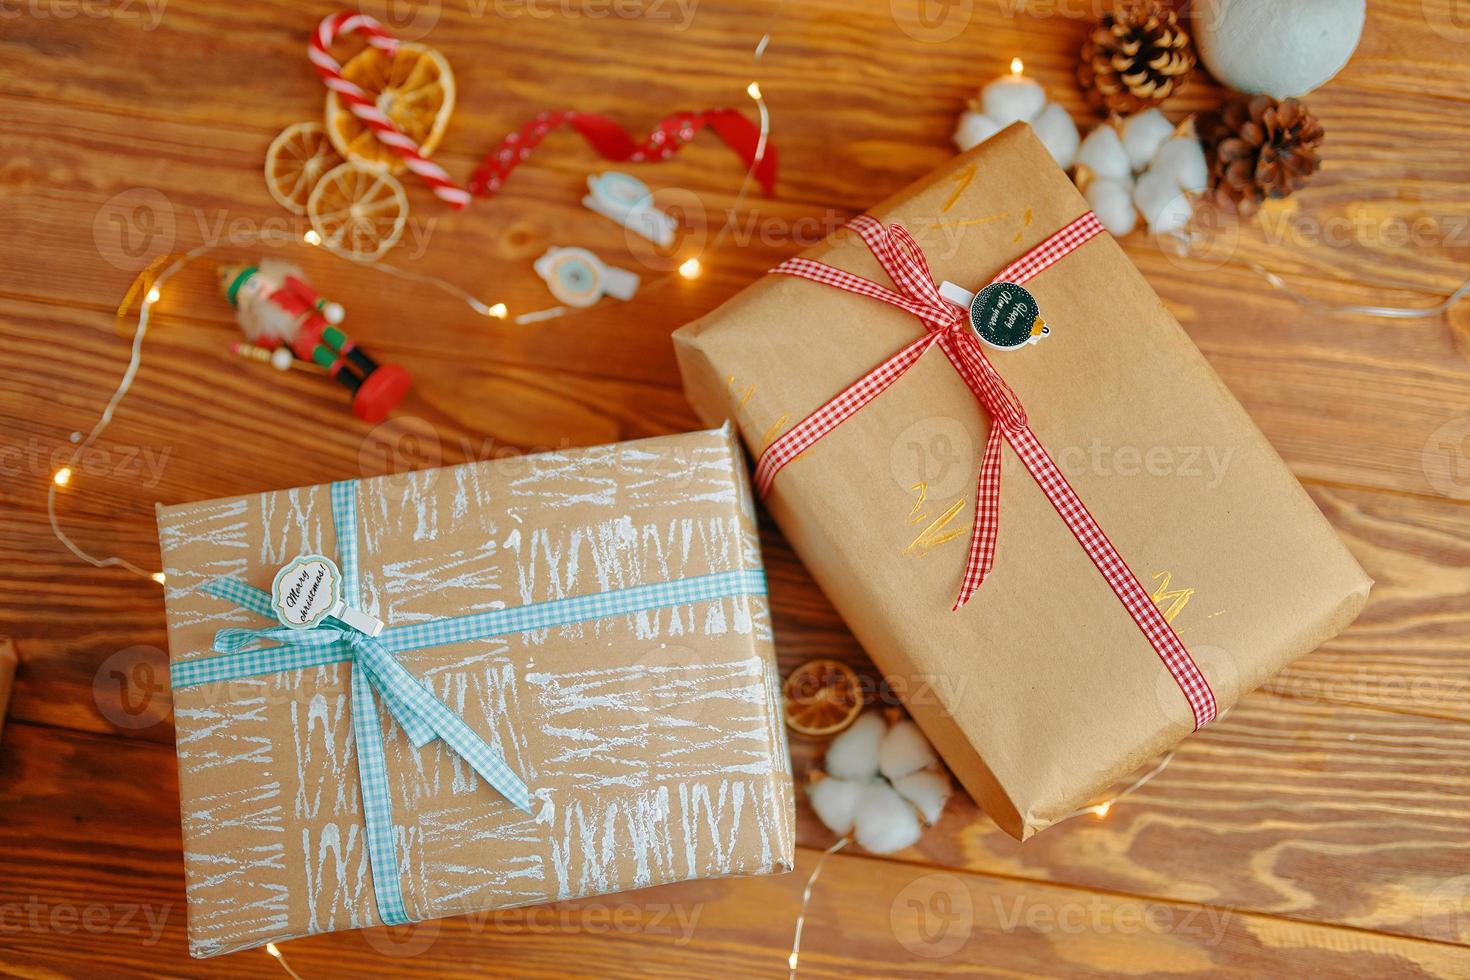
(62, 477)
(754, 90)
(1102, 809)
(159, 577)
(271, 949)
(690, 269)
(791, 961)
(499, 311)
(311, 237)
(153, 295)
(1016, 66)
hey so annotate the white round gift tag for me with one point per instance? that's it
(306, 591)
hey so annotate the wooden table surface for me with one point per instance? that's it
(1322, 829)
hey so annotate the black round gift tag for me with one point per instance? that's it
(1006, 316)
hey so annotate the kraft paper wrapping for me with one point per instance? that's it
(652, 742)
(1042, 691)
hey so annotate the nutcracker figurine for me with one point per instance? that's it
(280, 311)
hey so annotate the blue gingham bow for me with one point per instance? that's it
(422, 716)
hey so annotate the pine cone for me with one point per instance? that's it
(1135, 58)
(1259, 148)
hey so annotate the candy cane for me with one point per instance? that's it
(363, 107)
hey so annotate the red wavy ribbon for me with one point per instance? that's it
(946, 327)
(613, 142)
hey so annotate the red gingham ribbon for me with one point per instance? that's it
(365, 108)
(946, 326)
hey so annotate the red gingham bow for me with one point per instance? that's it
(947, 327)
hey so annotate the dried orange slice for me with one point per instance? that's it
(296, 160)
(821, 697)
(357, 211)
(413, 87)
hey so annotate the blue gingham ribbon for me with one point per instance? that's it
(421, 715)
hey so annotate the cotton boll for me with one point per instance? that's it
(1183, 160)
(974, 128)
(885, 822)
(1173, 216)
(1102, 152)
(1012, 99)
(854, 753)
(1112, 202)
(1165, 207)
(1143, 134)
(835, 802)
(904, 750)
(927, 789)
(1058, 133)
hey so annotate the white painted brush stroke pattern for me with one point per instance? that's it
(652, 741)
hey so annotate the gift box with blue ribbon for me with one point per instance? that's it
(473, 688)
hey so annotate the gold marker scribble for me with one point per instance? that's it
(987, 219)
(744, 395)
(1177, 598)
(963, 178)
(937, 532)
(769, 436)
(914, 515)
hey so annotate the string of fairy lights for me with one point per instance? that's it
(1098, 810)
(149, 283)
(146, 291)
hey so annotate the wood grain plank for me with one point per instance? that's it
(1346, 399)
(1338, 796)
(1304, 810)
(1294, 805)
(869, 916)
(1405, 652)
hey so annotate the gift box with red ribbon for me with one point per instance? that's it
(1020, 483)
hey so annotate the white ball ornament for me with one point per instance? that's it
(1283, 48)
